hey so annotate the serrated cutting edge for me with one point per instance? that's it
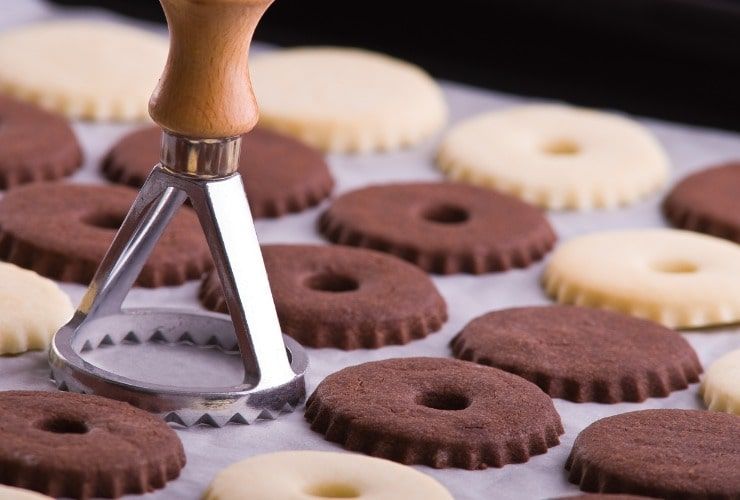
(248, 417)
(187, 418)
(159, 337)
(274, 365)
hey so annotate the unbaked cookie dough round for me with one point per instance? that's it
(721, 385)
(307, 475)
(86, 69)
(32, 309)
(11, 493)
(677, 278)
(555, 156)
(346, 100)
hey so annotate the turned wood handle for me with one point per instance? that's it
(205, 91)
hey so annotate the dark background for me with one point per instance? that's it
(672, 59)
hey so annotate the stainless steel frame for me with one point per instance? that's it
(274, 366)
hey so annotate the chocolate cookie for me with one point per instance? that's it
(435, 411)
(707, 202)
(281, 175)
(62, 231)
(603, 496)
(35, 145)
(349, 298)
(441, 227)
(82, 446)
(668, 454)
(581, 354)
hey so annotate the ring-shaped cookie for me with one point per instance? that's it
(707, 201)
(604, 496)
(281, 175)
(441, 227)
(721, 385)
(663, 453)
(677, 278)
(439, 412)
(348, 298)
(581, 354)
(11, 493)
(346, 100)
(35, 145)
(307, 475)
(84, 68)
(558, 157)
(62, 231)
(81, 446)
(32, 309)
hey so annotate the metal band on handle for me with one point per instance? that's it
(203, 158)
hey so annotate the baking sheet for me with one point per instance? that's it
(209, 450)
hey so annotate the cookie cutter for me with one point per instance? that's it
(205, 172)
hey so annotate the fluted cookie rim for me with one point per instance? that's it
(318, 334)
(658, 382)
(152, 475)
(354, 433)
(285, 202)
(68, 268)
(473, 261)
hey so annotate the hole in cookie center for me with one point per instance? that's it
(676, 267)
(64, 426)
(330, 282)
(448, 401)
(333, 490)
(562, 147)
(446, 214)
(105, 221)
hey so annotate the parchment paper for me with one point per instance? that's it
(209, 450)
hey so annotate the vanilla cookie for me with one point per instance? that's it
(10, 493)
(32, 309)
(346, 100)
(85, 69)
(299, 475)
(555, 156)
(677, 278)
(721, 385)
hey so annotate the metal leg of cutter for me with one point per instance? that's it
(274, 365)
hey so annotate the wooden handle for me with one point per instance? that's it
(205, 91)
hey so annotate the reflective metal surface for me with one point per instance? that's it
(273, 378)
(204, 158)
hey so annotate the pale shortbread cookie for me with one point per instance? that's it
(307, 475)
(721, 385)
(677, 278)
(558, 157)
(346, 100)
(11, 493)
(32, 309)
(85, 69)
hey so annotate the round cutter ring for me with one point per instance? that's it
(217, 406)
(274, 365)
